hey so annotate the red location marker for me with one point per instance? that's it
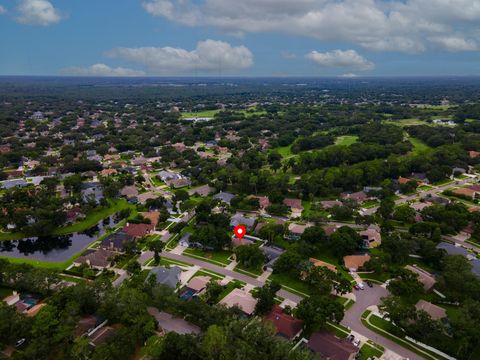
(240, 231)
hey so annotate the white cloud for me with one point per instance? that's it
(208, 56)
(348, 76)
(2, 10)
(288, 55)
(381, 25)
(37, 12)
(341, 59)
(101, 70)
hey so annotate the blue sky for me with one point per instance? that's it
(239, 37)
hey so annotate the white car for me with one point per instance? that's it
(361, 286)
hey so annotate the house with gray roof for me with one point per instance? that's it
(225, 197)
(166, 276)
(241, 219)
(9, 184)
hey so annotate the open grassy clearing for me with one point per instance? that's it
(418, 145)
(407, 122)
(215, 257)
(369, 352)
(205, 113)
(346, 140)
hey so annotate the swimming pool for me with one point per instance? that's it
(187, 294)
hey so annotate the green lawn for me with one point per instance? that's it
(418, 145)
(215, 257)
(249, 271)
(368, 351)
(340, 331)
(346, 140)
(210, 273)
(407, 122)
(285, 151)
(289, 282)
(234, 284)
(205, 113)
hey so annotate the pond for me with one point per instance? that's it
(55, 248)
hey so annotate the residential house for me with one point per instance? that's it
(225, 197)
(359, 196)
(153, 216)
(166, 276)
(14, 183)
(203, 190)
(92, 191)
(130, 193)
(330, 347)
(328, 204)
(295, 206)
(242, 299)
(116, 241)
(138, 231)
(263, 201)
(272, 253)
(428, 280)
(85, 324)
(320, 263)
(473, 154)
(99, 259)
(101, 335)
(371, 236)
(435, 312)
(198, 284)
(108, 172)
(295, 231)
(330, 229)
(143, 197)
(168, 323)
(178, 183)
(285, 325)
(241, 219)
(422, 177)
(246, 240)
(355, 262)
(466, 192)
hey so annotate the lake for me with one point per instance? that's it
(55, 248)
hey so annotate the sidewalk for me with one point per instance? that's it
(178, 250)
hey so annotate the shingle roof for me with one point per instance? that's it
(286, 325)
(168, 277)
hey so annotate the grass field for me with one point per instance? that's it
(407, 122)
(418, 145)
(285, 151)
(215, 257)
(346, 140)
(206, 113)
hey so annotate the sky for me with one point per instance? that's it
(345, 38)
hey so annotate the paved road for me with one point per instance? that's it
(234, 275)
(366, 298)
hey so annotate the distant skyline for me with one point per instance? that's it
(346, 38)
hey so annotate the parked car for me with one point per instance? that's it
(356, 343)
(369, 283)
(351, 337)
(361, 286)
(20, 342)
(356, 287)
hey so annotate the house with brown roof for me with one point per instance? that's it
(428, 280)
(242, 299)
(85, 324)
(354, 262)
(203, 190)
(108, 172)
(285, 325)
(153, 216)
(199, 283)
(435, 312)
(101, 335)
(99, 259)
(330, 347)
(328, 204)
(359, 196)
(295, 231)
(130, 192)
(473, 154)
(295, 205)
(143, 197)
(138, 231)
(371, 237)
(466, 192)
(320, 263)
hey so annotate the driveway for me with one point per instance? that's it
(234, 275)
(366, 298)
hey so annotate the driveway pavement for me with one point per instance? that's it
(366, 298)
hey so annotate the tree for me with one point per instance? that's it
(133, 266)
(213, 291)
(314, 235)
(249, 256)
(157, 247)
(397, 311)
(266, 298)
(386, 208)
(315, 311)
(406, 285)
(288, 262)
(345, 241)
(404, 213)
(214, 342)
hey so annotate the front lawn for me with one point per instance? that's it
(290, 283)
(215, 257)
(249, 271)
